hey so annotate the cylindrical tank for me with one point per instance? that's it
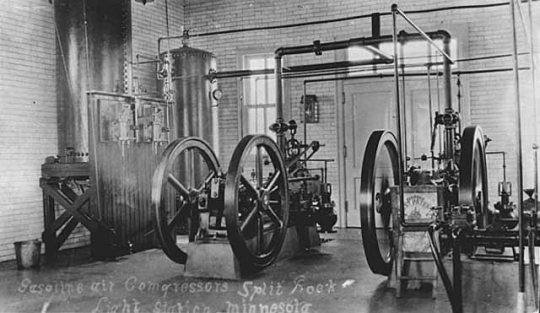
(92, 38)
(193, 109)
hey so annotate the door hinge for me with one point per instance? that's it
(344, 151)
(346, 206)
(343, 97)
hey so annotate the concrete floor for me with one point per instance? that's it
(335, 280)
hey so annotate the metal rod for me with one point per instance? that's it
(528, 38)
(398, 114)
(432, 129)
(521, 272)
(457, 271)
(440, 266)
(421, 32)
(533, 81)
(532, 263)
(379, 52)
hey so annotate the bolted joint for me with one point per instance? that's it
(212, 75)
(448, 119)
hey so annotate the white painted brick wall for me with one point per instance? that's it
(27, 76)
(28, 118)
(488, 32)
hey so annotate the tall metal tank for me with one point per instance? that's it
(194, 102)
(92, 38)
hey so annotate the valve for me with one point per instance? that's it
(293, 127)
(279, 127)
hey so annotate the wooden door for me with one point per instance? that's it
(369, 106)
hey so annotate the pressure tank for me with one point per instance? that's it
(191, 92)
(92, 38)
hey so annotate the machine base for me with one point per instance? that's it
(215, 259)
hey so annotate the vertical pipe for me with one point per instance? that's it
(304, 114)
(535, 219)
(398, 110)
(403, 101)
(521, 290)
(535, 145)
(279, 102)
(447, 85)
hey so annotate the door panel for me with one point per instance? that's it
(371, 106)
(368, 106)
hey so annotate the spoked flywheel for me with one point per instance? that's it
(256, 202)
(473, 188)
(380, 171)
(186, 166)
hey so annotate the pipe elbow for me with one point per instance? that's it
(446, 36)
(279, 53)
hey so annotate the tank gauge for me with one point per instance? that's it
(217, 94)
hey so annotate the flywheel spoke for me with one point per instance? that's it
(259, 166)
(260, 234)
(178, 185)
(273, 181)
(177, 215)
(274, 216)
(250, 188)
(249, 217)
(206, 181)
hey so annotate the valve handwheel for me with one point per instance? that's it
(292, 147)
(473, 189)
(380, 171)
(256, 202)
(187, 165)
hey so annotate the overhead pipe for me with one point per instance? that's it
(318, 48)
(297, 69)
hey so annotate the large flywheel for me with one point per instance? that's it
(380, 171)
(473, 188)
(186, 166)
(256, 201)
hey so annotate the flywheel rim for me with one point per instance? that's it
(380, 141)
(473, 189)
(161, 179)
(262, 203)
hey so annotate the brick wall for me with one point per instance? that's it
(28, 119)
(149, 24)
(487, 101)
